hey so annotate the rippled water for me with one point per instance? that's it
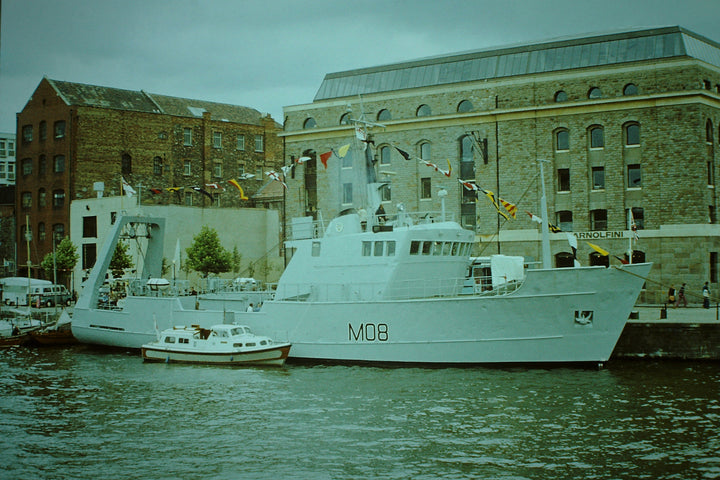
(80, 413)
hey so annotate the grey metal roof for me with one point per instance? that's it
(609, 49)
(139, 101)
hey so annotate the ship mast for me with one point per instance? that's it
(544, 229)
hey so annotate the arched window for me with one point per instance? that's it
(42, 198)
(310, 123)
(466, 149)
(345, 118)
(385, 153)
(384, 114)
(126, 164)
(58, 198)
(564, 260)
(561, 96)
(595, 92)
(709, 131)
(43, 130)
(59, 163)
(42, 165)
(638, 256)
(41, 231)
(465, 106)
(425, 150)
(630, 89)
(562, 140)
(157, 166)
(632, 134)
(597, 137)
(423, 111)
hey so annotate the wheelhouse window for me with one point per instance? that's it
(598, 219)
(597, 137)
(598, 178)
(562, 140)
(634, 178)
(563, 179)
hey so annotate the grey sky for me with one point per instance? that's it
(267, 54)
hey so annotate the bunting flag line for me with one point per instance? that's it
(235, 184)
(447, 172)
(342, 151)
(599, 250)
(622, 260)
(302, 160)
(491, 196)
(534, 218)
(129, 191)
(403, 153)
(156, 191)
(246, 176)
(213, 186)
(324, 157)
(286, 169)
(276, 176)
(204, 192)
(174, 189)
(551, 227)
(469, 185)
(360, 134)
(511, 208)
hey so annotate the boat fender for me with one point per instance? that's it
(167, 359)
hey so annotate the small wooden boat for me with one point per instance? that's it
(59, 333)
(226, 344)
(14, 340)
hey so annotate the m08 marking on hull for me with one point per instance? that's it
(368, 332)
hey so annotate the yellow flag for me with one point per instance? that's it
(342, 151)
(602, 252)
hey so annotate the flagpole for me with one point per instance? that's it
(545, 231)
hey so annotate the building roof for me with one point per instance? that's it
(79, 94)
(543, 57)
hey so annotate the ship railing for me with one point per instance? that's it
(403, 290)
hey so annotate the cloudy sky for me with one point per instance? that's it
(267, 54)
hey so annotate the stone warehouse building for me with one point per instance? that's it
(77, 140)
(626, 122)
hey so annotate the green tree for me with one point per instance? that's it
(66, 258)
(236, 259)
(206, 255)
(120, 259)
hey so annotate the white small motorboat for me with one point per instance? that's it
(226, 344)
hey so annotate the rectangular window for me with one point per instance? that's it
(59, 163)
(240, 142)
(157, 166)
(385, 193)
(390, 250)
(217, 139)
(89, 255)
(2, 170)
(711, 172)
(414, 247)
(634, 178)
(3, 149)
(598, 178)
(89, 227)
(378, 251)
(217, 169)
(347, 193)
(188, 199)
(187, 137)
(187, 168)
(563, 178)
(216, 199)
(713, 267)
(564, 220)
(598, 220)
(240, 170)
(259, 173)
(27, 166)
(58, 198)
(26, 200)
(11, 171)
(638, 215)
(11, 149)
(60, 129)
(425, 188)
(259, 143)
(42, 198)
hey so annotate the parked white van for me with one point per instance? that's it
(15, 292)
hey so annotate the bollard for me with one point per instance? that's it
(663, 312)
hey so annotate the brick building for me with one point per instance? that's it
(627, 122)
(75, 140)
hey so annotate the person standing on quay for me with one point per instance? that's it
(681, 297)
(706, 295)
(671, 295)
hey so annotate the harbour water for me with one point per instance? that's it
(84, 413)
